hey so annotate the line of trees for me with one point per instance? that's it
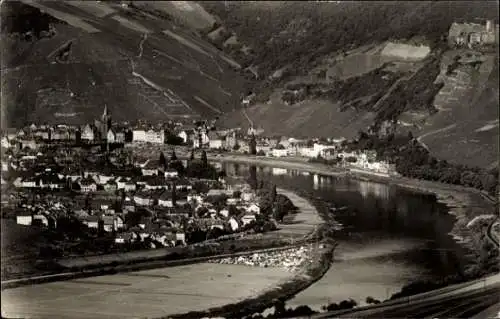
(413, 160)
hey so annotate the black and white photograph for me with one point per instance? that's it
(249, 159)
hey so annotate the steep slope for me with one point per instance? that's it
(332, 69)
(140, 64)
(469, 128)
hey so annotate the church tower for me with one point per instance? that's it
(105, 122)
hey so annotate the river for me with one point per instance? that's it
(390, 236)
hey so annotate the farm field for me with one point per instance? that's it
(148, 293)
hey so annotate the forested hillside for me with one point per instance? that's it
(320, 68)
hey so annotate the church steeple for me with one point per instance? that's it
(105, 113)
(105, 122)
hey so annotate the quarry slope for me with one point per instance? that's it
(142, 65)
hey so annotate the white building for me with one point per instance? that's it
(279, 152)
(224, 212)
(24, 220)
(111, 136)
(253, 209)
(88, 133)
(247, 196)
(143, 199)
(247, 219)
(233, 223)
(171, 173)
(149, 136)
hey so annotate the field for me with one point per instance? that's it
(149, 293)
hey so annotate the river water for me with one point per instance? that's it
(390, 236)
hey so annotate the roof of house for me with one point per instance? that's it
(91, 218)
(213, 135)
(86, 181)
(166, 195)
(156, 181)
(152, 165)
(108, 220)
(182, 182)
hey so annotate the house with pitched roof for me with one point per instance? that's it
(171, 173)
(111, 136)
(88, 133)
(156, 182)
(215, 140)
(87, 184)
(151, 168)
(166, 200)
(144, 198)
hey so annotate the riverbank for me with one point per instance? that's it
(463, 203)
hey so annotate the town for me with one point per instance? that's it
(107, 187)
(181, 159)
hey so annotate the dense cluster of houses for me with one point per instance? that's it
(106, 194)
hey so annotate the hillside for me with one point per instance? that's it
(77, 56)
(319, 72)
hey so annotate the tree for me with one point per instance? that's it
(173, 140)
(410, 135)
(163, 160)
(174, 156)
(174, 193)
(191, 158)
(253, 145)
(236, 147)
(204, 159)
(273, 193)
(253, 177)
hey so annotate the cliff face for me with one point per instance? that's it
(65, 64)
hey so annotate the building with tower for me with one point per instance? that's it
(103, 125)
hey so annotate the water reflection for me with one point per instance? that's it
(377, 190)
(391, 236)
(378, 211)
(279, 171)
(316, 182)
